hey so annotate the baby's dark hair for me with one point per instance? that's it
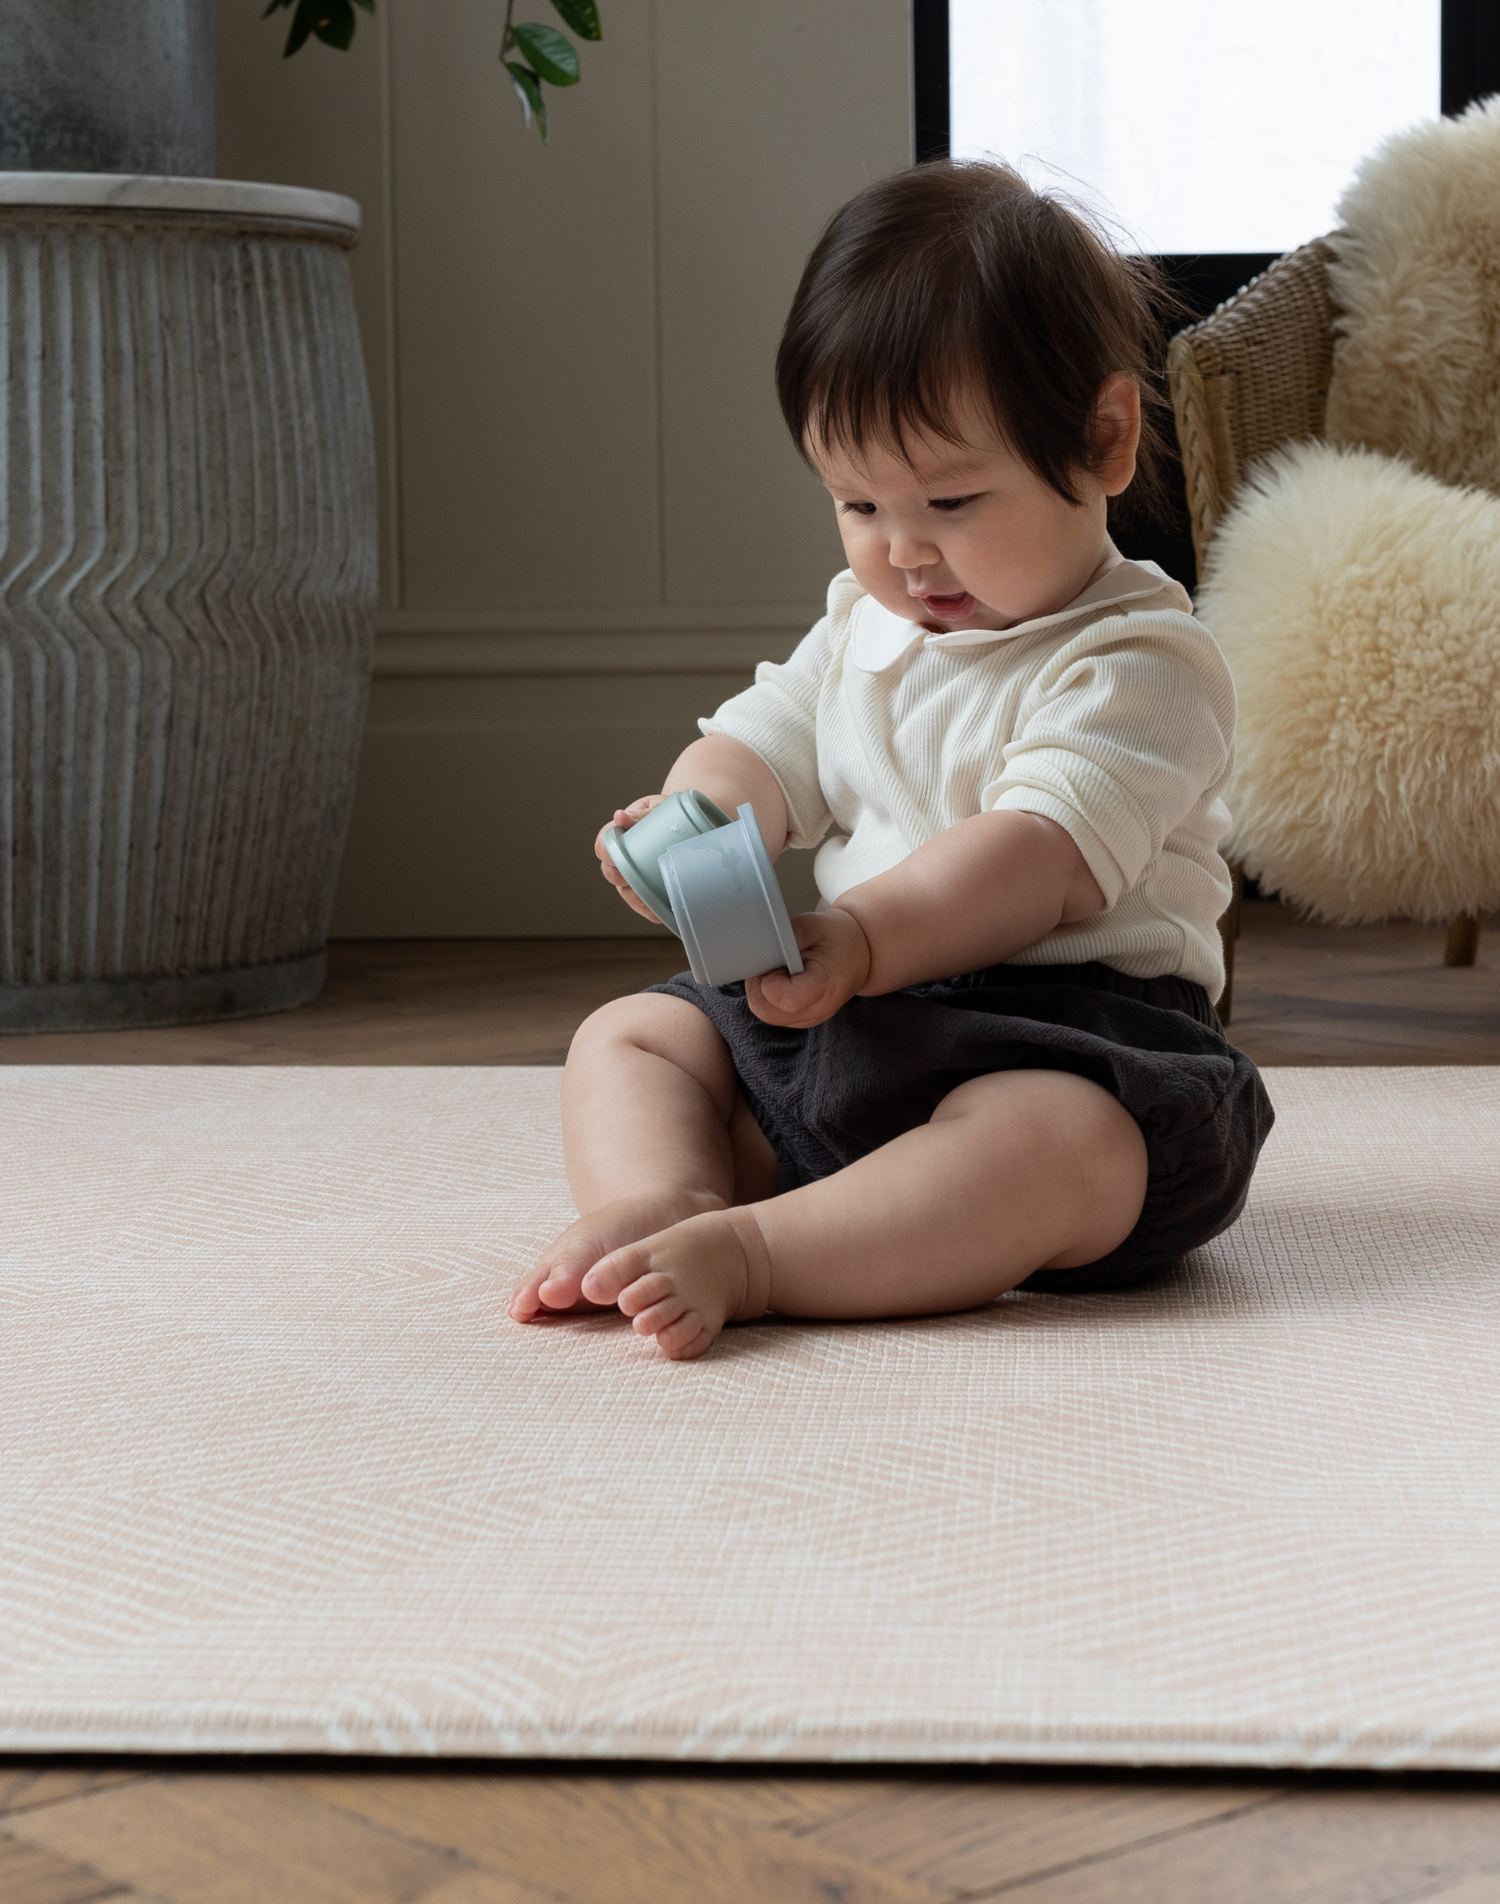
(954, 275)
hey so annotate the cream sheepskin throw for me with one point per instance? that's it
(1416, 277)
(1358, 602)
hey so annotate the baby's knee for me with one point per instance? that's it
(661, 1026)
(620, 1021)
(648, 1020)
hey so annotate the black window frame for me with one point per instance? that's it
(1469, 57)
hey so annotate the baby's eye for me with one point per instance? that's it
(856, 508)
(949, 503)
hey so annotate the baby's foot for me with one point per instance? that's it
(684, 1283)
(553, 1286)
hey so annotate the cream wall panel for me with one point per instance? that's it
(770, 116)
(592, 522)
(526, 312)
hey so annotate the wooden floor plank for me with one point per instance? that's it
(602, 1840)
(1313, 1846)
(1308, 994)
(790, 1803)
(975, 1836)
(1304, 994)
(402, 1001)
(24, 1786)
(211, 1838)
(29, 1875)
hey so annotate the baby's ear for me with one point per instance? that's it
(1116, 432)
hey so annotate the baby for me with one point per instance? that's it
(1001, 1064)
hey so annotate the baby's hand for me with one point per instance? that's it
(625, 818)
(836, 962)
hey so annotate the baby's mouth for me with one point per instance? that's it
(947, 607)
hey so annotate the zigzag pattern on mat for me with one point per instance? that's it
(277, 1474)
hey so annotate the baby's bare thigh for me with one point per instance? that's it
(1064, 1144)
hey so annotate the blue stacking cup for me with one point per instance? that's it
(710, 880)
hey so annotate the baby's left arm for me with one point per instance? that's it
(967, 898)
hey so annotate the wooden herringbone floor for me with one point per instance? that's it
(318, 1833)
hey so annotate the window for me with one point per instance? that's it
(1194, 125)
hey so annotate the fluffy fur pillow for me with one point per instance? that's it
(1358, 602)
(1416, 277)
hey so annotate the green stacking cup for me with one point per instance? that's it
(686, 815)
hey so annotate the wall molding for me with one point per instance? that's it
(413, 644)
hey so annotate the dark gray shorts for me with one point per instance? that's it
(882, 1066)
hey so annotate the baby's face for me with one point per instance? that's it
(969, 536)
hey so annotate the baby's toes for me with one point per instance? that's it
(612, 1275)
(551, 1286)
(686, 1338)
(560, 1286)
(652, 1318)
(526, 1301)
(561, 1272)
(649, 1293)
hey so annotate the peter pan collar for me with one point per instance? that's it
(878, 639)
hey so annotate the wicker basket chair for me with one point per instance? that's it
(1245, 381)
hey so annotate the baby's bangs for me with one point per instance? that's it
(869, 404)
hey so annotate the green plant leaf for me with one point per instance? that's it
(554, 57)
(582, 16)
(331, 20)
(529, 92)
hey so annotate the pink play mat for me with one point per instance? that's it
(277, 1475)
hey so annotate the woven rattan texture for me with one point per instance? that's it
(276, 1474)
(1253, 376)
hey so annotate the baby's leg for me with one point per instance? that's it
(1017, 1171)
(654, 1131)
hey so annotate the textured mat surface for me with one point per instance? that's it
(276, 1474)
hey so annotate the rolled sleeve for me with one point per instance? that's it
(777, 719)
(1119, 746)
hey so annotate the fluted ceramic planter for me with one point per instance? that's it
(187, 594)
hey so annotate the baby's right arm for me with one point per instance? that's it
(729, 773)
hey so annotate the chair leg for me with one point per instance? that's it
(1463, 940)
(1229, 931)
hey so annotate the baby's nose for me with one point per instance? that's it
(911, 553)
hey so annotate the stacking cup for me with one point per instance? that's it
(708, 879)
(728, 907)
(636, 849)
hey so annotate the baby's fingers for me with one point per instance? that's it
(799, 999)
(626, 817)
(612, 874)
(618, 880)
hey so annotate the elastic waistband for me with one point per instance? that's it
(1167, 993)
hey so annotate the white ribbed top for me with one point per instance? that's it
(1114, 717)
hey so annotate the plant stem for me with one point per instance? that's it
(509, 40)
